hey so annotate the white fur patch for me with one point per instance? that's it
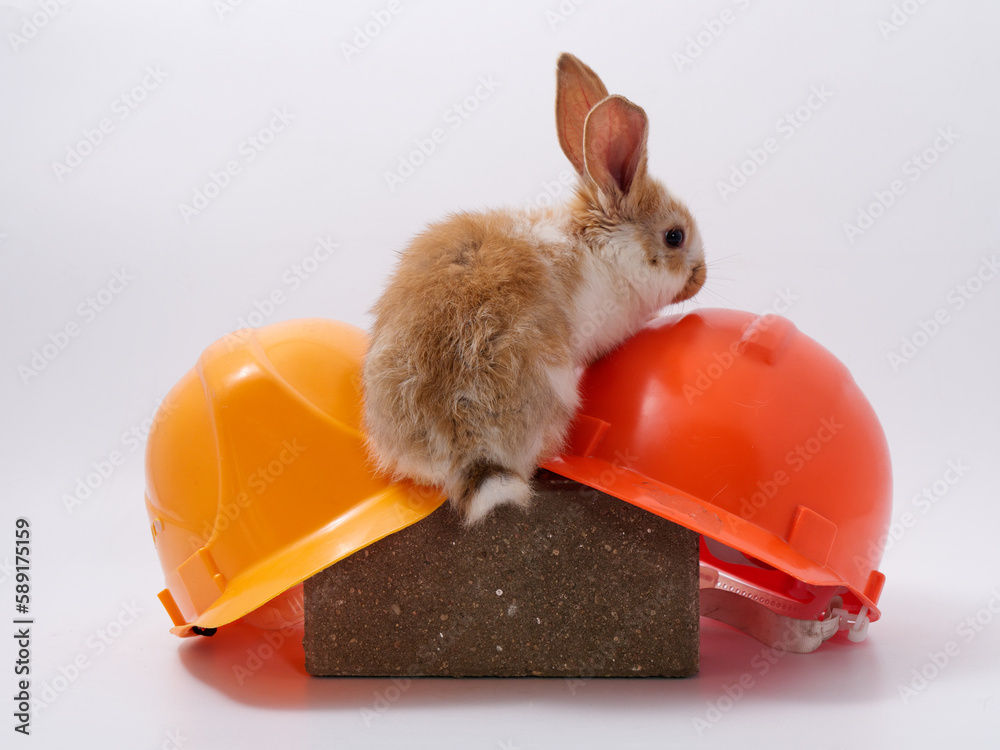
(620, 293)
(564, 382)
(601, 314)
(498, 490)
(548, 231)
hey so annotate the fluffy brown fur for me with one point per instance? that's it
(473, 314)
(483, 328)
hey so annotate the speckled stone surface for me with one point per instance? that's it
(581, 585)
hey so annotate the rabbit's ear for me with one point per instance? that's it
(614, 144)
(578, 90)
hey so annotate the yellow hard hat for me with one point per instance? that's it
(256, 471)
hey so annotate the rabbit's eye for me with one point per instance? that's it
(674, 237)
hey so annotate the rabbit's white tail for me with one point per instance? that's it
(484, 486)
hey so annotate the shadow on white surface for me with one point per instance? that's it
(240, 662)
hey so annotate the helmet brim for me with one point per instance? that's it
(397, 506)
(716, 523)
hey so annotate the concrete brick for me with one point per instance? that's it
(581, 585)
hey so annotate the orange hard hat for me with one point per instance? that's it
(749, 432)
(257, 476)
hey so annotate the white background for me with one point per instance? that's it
(63, 234)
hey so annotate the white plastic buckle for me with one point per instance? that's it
(770, 618)
(856, 625)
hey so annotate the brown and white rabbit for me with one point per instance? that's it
(489, 318)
